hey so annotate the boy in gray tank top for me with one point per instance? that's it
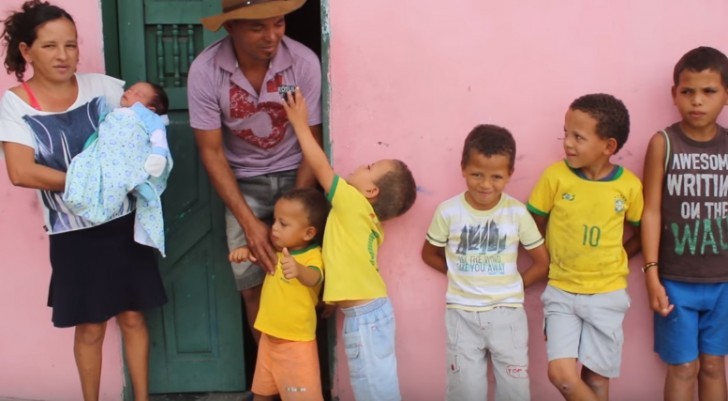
(685, 230)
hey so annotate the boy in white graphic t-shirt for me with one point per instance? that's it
(474, 239)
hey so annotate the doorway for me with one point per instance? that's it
(199, 342)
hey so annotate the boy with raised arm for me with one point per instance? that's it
(371, 194)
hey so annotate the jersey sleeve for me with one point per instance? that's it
(542, 197)
(314, 259)
(636, 204)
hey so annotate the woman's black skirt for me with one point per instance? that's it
(99, 272)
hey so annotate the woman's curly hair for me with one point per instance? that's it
(22, 27)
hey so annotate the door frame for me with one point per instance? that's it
(111, 50)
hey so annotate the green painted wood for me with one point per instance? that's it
(196, 339)
(110, 27)
(326, 108)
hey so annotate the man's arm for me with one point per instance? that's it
(313, 155)
(305, 177)
(209, 144)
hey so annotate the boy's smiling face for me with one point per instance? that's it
(699, 97)
(486, 177)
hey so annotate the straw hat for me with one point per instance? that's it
(250, 9)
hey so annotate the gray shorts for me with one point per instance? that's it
(587, 327)
(260, 193)
(500, 334)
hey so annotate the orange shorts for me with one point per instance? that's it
(288, 368)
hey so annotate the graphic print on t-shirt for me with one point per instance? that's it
(266, 120)
(479, 249)
(701, 180)
(58, 138)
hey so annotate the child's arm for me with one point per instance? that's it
(654, 173)
(541, 223)
(633, 245)
(308, 276)
(297, 112)
(241, 254)
(539, 269)
(156, 162)
(434, 256)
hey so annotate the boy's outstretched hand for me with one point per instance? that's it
(296, 109)
(297, 113)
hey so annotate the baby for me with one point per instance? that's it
(128, 155)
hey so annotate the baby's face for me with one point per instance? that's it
(140, 92)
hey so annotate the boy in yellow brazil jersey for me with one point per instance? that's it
(287, 361)
(582, 203)
(371, 194)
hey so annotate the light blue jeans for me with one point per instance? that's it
(369, 341)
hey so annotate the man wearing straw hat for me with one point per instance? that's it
(241, 129)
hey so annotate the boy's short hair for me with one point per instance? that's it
(315, 204)
(397, 192)
(489, 140)
(611, 115)
(701, 59)
(160, 101)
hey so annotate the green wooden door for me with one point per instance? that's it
(196, 339)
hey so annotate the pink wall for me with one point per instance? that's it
(411, 78)
(36, 359)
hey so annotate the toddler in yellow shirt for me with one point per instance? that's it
(287, 361)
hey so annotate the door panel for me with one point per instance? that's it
(196, 339)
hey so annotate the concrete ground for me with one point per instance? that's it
(201, 397)
(182, 397)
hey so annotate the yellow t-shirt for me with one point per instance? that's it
(585, 228)
(351, 242)
(287, 307)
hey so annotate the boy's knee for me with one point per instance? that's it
(684, 371)
(712, 367)
(563, 377)
(594, 380)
